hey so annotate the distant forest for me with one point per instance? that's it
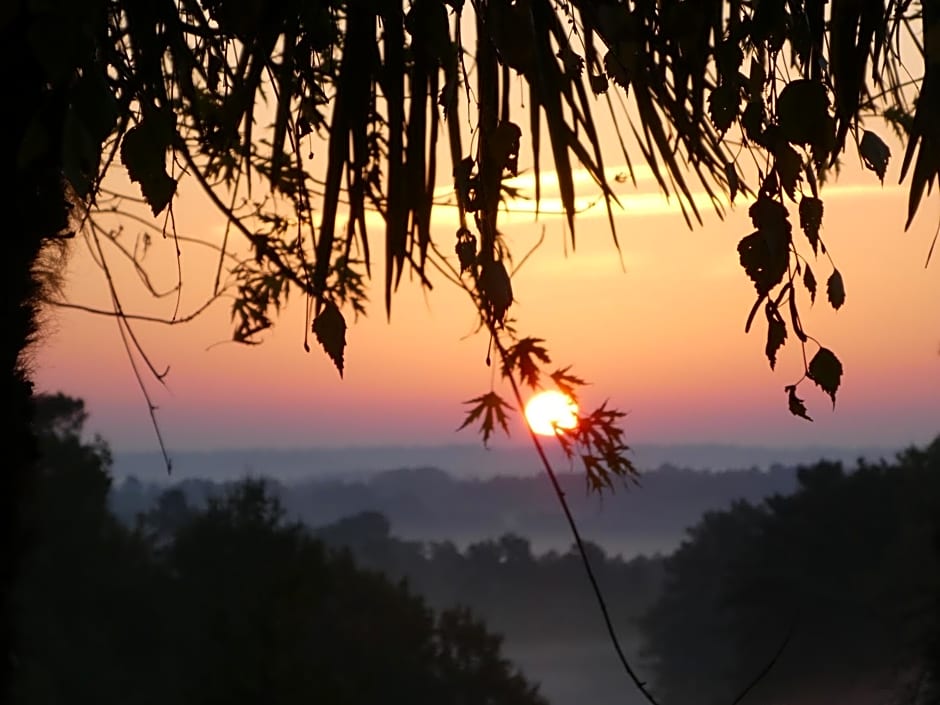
(428, 504)
(217, 592)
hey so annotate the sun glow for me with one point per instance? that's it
(549, 411)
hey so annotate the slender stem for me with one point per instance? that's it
(572, 524)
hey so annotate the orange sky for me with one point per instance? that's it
(663, 340)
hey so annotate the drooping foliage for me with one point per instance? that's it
(241, 98)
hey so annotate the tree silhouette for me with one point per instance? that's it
(174, 90)
(232, 603)
(847, 564)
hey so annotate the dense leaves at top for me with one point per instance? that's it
(233, 94)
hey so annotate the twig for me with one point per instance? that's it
(770, 664)
(136, 316)
(572, 524)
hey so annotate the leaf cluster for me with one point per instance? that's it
(597, 438)
(694, 87)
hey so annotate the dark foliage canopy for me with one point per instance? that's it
(227, 604)
(235, 95)
(848, 566)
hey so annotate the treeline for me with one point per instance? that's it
(840, 576)
(234, 604)
(524, 595)
(428, 504)
(216, 596)
(843, 575)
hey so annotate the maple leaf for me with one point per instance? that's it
(330, 328)
(567, 383)
(605, 452)
(524, 356)
(597, 476)
(492, 409)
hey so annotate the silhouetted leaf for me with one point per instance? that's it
(769, 214)
(598, 83)
(598, 478)
(797, 407)
(492, 408)
(788, 166)
(723, 104)
(802, 112)
(600, 435)
(809, 281)
(617, 70)
(731, 173)
(466, 249)
(330, 328)
(524, 356)
(811, 213)
(875, 153)
(143, 153)
(567, 383)
(765, 253)
(835, 290)
(505, 146)
(776, 334)
(826, 371)
(753, 120)
(495, 289)
(764, 263)
(573, 62)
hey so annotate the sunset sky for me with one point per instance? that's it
(661, 337)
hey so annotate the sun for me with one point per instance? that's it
(551, 410)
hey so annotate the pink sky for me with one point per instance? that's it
(663, 340)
